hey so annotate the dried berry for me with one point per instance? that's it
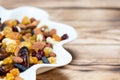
(33, 52)
(64, 37)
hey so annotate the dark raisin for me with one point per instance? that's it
(14, 29)
(64, 37)
(45, 60)
(24, 54)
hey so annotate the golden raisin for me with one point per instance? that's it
(47, 51)
(52, 60)
(15, 72)
(33, 60)
(8, 60)
(11, 48)
(10, 76)
(7, 30)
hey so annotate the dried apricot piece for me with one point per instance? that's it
(56, 37)
(10, 23)
(14, 35)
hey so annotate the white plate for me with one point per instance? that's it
(63, 56)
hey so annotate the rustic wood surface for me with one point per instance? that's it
(96, 51)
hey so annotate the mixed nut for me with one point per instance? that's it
(23, 44)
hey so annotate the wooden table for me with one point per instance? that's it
(96, 51)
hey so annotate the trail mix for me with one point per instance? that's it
(23, 44)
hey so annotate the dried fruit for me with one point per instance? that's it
(64, 37)
(56, 37)
(24, 54)
(47, 51)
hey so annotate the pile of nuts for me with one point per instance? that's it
(24, 44)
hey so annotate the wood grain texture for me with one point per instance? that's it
(64, 3)
(96, 51)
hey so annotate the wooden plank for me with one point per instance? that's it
(67, 74)
(63, 3)
(94, 54)
(84, 14)
(96, 32)
(101, 25)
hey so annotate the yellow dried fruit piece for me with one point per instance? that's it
(40, 62)
(52, 60)
(11, 48)
(26, 20)
(47, 51)
(11, 23)
(7, 30)
(33, 60)
(8, 60)
(10, 76)
(27, 44)
(13, 35)
(15, 72)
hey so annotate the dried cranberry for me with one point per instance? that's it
(40, 52)
(38, 56)
(14, 29)
(64, 37)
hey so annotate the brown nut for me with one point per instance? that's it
(22, 26)
(18, 78)
(33, 24)
(32, 19)
(52, 54)
(17, 60)
(52, 31)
